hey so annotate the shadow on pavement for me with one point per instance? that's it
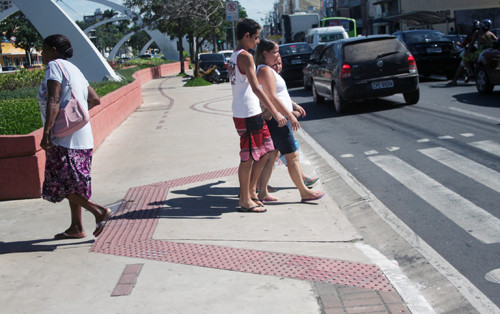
(34, 246)
(477, 99)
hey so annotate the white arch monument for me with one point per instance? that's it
(48, 18)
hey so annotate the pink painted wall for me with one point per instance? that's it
(22, 161)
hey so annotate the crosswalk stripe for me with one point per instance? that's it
(488, 146)
(472, 169)
(478, 222)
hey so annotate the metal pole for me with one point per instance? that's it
(234, 37)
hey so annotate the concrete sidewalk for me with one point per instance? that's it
(176, 242)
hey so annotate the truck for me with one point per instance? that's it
(294, 27)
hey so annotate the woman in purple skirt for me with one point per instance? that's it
(68, 158)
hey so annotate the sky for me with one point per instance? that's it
(256, 9)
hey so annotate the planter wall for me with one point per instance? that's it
(22, 161)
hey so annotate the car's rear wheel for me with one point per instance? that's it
(483, 84)
(412, 98)
(339, 102)
(306, 83)
(317, 98)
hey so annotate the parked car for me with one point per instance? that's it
(9, 68)
(361, 68)
(312, 65)
(294, 57)
(207, 60)
(227, 54)
(488, 69)
(328, 34)
(433, 51)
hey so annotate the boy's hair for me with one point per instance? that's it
(246, 26)
(264, 45)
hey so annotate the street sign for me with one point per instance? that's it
(232, 12)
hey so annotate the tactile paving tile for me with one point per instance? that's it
(130, 231)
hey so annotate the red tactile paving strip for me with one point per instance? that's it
(127, 280)
(130, 231)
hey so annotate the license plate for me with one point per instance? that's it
(297, 62)
(382, 84)
(434, 50)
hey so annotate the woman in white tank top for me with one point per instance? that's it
(274, 87)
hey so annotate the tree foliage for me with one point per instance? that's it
(194, 18)
(26, 36)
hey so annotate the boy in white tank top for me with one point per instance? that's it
(255, 140)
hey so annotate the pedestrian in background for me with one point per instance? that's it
(68, 158)
(255, 140)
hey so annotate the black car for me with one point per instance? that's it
(207, 60)
(311, 65)
(361, 68)
(294, 57)
(433, 51)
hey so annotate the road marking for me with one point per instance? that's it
(467, 134)
(467, 167)
(478, 222)
(393, 148)
(424, 140)
(371, 152)
(475, 114)
(488, 146)
(347, 156)
(493, 276)
(446, 137)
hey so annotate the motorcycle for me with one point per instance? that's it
(211, 75)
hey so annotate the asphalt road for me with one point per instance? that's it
(436, 165)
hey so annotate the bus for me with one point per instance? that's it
(348, 24)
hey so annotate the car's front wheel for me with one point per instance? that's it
(483, 84)
(412, 98)
(305, 81)
(339, 102)
(317, 98)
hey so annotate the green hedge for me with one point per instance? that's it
(19, 110)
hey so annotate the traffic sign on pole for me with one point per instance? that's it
(232, 12)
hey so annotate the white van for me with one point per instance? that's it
(325, 35)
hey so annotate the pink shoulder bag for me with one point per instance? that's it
(72, 117)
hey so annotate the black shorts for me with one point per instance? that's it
(282, 137)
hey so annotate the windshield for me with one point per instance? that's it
(372, 50)
(295, 49)
(425, 36)
(214, 57)
(326, 38)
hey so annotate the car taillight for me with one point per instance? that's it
(346, 71)
(412, 64)
(225, 66)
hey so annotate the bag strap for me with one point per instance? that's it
(65, 76)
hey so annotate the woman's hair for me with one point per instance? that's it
(61, 43)
(264, 45)
(246, 26)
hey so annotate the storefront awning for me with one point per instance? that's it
(419, 18)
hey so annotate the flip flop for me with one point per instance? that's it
(251, 209)
(64, 235)
(269, 199)
(99, 227)
(310, 181)
(315, 197)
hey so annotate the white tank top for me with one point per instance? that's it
(281, 89)
(245, 102)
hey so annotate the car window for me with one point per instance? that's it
(425, 36)
(328, 56)
(214, 57)
(295, 49)
(371, 50)
(325, 38)
(316, 52)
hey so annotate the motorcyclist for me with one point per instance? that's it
(466, 55)
(484, 38)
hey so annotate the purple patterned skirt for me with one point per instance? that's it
(67, 171)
